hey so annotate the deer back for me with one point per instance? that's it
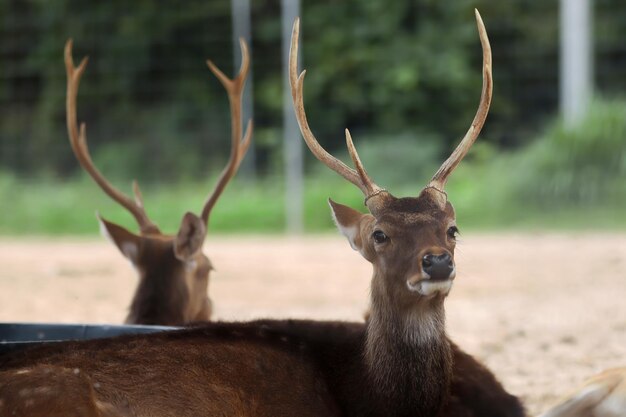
(260, 368)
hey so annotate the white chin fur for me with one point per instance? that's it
(428, 288)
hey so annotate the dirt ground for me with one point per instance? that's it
(543, 311)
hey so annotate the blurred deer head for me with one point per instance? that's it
(173, 270)
(603, 395)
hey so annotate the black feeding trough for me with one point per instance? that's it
(18, 335)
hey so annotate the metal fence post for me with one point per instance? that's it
(576, 59)
(291, 132)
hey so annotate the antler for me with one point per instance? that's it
(357, 177)
(441, 176)
(78, 140)
(239, 146)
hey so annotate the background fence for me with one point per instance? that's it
(402, 73)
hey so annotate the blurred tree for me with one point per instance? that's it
(408, 68)
(146, 83)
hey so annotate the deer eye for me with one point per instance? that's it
(379, 236)
(453, 232)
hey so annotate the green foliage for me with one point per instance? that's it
(385, 68)
(50, 206)
(398, 160)
(146, 81)
(565, 179)
(388, 67)
(585, 165)
(404, 76)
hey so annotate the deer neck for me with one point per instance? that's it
(407, 354)
(159, 299)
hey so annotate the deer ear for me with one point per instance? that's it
(348, 221)
(190, 236)
(127, 242)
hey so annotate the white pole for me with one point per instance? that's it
(241, 29)
(291, 132)
(576, 70)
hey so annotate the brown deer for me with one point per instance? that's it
(399, 363)
(603, 395)
(173, 270)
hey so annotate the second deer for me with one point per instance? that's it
(173, 270)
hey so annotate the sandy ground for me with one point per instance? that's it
(542, 311)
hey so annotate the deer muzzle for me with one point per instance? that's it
(438, 267)
(437, 274)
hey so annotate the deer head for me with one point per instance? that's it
(409, 241)
(174, 272)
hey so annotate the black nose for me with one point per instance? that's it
(438, 266)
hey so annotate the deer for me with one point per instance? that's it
(173, 270)
(399, 363)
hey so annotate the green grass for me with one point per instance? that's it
(54, 207)
(480, 195)
(565, 179)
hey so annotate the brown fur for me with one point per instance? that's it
(400, 363)
(171, 291)
(225, 370)
(38, 391)
(263, 368)
(406, 340)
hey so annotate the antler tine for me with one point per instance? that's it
(245, 143)
(78, 141)
(137, 193)
(358, 177)
(370, 186)
(239, 145)
(441, 176)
